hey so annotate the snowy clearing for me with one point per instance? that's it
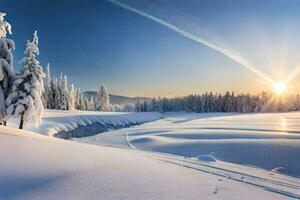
(81, 171)
(266, 140)
(84, 171)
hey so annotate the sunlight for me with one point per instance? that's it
(283, 124)
(280, 87)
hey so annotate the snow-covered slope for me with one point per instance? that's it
(34, 166)
(268, 140)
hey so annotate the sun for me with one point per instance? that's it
(280, 87)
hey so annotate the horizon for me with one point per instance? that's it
(149, 99)
(152, 60)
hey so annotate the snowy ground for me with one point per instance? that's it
(85, 122)
(41, 167)
(35, 166)
(267, 140)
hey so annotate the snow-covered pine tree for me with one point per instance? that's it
(102, 99)
(82, 102)
(51, 97)
(91, 105)
(87, 103)
(137, 106)
(25, 99)
(64, 98)
(78, 99)
(57, 95)
(7, 75)
(72, 98)
(47, 88)
(4, 26)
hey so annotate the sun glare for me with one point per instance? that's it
(279, 87)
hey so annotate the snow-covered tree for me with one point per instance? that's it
(78, 99)
(82, 102)
(7, 75)
(25, 100)
(64, 95)
(52, 97)
(91, 104)
(102, 99)
(4, 26)
(72, 98)
(57, 95)
(47, 88)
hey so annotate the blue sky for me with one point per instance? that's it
(95, 42)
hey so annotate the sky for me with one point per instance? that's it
(96, 42)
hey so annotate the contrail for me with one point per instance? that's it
(229, 53)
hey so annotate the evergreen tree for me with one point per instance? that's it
(102, 99)
(52, 95)
(82, 102)
(91, 106)
(47, 88)
(57, 95)
(7, 75)
(72, 98)
(64, 94)
(77, 100)
(25, 99)
(137, 106)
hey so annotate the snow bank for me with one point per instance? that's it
(67, 124)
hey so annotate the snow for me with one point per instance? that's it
(39, 166)
(266, 140)
(42, 167)
(207, 158)
(56, 121)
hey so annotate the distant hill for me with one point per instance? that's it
(117, 99)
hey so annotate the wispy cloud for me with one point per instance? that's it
(227, 52)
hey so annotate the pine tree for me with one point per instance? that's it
(25, 99)
(64, 94)
(77, 100)
(47, 88)
(7, 75)
(4, 26)
(86, 103)
(72, 98)
(102, 99)
(137, 106)
(91, 105)
(57, 95)
(82, 102)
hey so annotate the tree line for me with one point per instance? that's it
(228, 102)
(25, 94)
(60, 96)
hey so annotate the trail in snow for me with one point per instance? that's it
(129, 143)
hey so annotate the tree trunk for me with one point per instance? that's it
(21, 121)
(4, 123)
